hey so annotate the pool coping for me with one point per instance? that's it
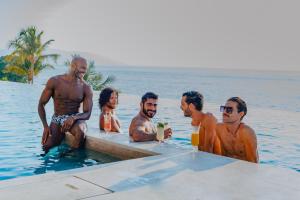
(157, 171)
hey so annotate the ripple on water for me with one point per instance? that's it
(21, 132)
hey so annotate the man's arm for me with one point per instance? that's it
(45, 96)
(138, 132)
(87, 105)
(250, 142)
(210, 133)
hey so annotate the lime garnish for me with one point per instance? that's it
(160, 125)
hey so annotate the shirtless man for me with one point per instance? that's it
(191, 105)
(68, 92)
(237, 139)
(141, 128)
(108, 100)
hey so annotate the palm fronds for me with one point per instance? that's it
(28, 54)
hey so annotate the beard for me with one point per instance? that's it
(187, 113)
(148, 114)
(78, 74)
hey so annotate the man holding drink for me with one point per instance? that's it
(203, 123)
(141, 128)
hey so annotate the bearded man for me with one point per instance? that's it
(142, 128)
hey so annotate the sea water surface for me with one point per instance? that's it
(272, 98)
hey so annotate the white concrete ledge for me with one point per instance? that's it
(171, 173)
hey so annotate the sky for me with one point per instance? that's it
(237, 34)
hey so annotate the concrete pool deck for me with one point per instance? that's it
(157, 171)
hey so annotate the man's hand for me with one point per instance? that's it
(68, 123)
(46, 134)
(168, 133)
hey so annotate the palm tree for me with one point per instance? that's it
(27, 58)
(93, 78)
(9, 76)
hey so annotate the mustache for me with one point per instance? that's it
(151, 111)
(224, 114)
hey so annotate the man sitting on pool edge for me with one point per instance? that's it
(68, 92)
(142, 128)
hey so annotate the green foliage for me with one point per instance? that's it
(160, 125)
(4, 76)
(27, 59)
(93, 78)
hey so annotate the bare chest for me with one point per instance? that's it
(149, 127)
(69, 92)
(233, 145)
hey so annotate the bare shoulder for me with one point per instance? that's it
(247, 131)
(87, 88)
(210, 118)
(138, 120)
(101, 114)
(52, 82)
(55, 79)
(220, 127)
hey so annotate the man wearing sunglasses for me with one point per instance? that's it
(236, 138)
(191, 105)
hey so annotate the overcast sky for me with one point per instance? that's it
(254, 34)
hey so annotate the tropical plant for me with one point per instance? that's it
(9, 76)
(93, 78)
(27, 58)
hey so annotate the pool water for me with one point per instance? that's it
(20, 137)
(272, 99)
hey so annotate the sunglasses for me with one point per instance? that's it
(227, 109)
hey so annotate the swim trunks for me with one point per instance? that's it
(60, 119)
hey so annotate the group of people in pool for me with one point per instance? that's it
(230, 138)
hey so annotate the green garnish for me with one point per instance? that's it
(160, 125)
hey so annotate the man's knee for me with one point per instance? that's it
(79, 126)
(78, 131)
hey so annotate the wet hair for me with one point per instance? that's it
(241, 105)
(105, 96)
(195, 98)
(149, 95)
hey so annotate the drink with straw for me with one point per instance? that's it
(160, 132)
(195, 138)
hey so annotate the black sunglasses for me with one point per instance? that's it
(227, 109)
